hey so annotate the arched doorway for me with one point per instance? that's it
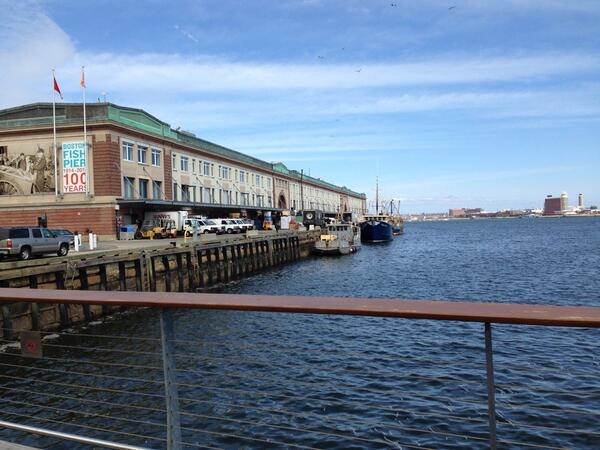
(281, 201)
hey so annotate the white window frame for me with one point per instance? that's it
(130, 146)
(156, 155)
(144, 153)
(184, 163)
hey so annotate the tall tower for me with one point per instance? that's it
(580, 202)
(564, 201)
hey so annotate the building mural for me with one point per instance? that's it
(27, 170)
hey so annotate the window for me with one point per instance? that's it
(226, 197)
(143, 188)
(269, 183)
(242, 176)
(128, 187)
(157, 190)
(142, 154)
(193, 166)
(18, 233)
(185, 193)
(206, 168)
(260, 200)
(224, 172)
(270, 204)
(206, 196)
(184, 163)
(245, 199)
(47, 233)
(199, 195)
(257, 180)
(36, 232)
(175, 192)
(127, 151)
(156, 157)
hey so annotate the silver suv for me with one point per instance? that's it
(28, 241)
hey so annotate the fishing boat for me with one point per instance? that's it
(395, 220)
(338, 239)
(376, 228)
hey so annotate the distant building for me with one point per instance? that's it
(456, 212)
(553, 205)
(580, 202)
(564, 201)
(469, 212)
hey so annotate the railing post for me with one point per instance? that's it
(491, 389)
(167, 337)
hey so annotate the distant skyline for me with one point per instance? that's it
(488, 104)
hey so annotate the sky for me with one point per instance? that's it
(459, 103)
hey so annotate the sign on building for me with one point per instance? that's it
(74, 167)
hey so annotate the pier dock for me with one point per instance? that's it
(155, 267)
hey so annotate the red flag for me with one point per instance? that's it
(56, 88)
(82, 82)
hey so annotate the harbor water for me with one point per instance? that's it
(268, 380)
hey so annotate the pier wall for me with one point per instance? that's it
(186, 268)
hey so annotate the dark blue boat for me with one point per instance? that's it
(376, 229)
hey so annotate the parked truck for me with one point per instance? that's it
(178, 220)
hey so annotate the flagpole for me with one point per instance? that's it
(54, 134)
(87, 181)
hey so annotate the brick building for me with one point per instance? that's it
(136, 163)
(553, 206)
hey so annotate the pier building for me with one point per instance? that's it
(134, 163)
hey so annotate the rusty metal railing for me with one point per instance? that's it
(163, 356)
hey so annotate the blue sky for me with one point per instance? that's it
(451, 103)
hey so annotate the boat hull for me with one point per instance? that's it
(376, 231)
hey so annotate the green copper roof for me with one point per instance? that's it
(40, 114)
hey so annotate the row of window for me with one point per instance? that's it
(197, 194)
(188, 193)
(131, 189)
(207, 169)
(143, 152)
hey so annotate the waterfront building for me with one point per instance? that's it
(580, 202)
(136, 163)
(456, 212)
(564, 201)
(553, 206)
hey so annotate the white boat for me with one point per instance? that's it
(338, 239)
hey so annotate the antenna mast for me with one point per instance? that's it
(376, 195)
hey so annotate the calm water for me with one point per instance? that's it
(261, 380)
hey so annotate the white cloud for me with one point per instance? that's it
(31, 44)
(185, 75)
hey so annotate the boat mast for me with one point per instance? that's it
(376, 195)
